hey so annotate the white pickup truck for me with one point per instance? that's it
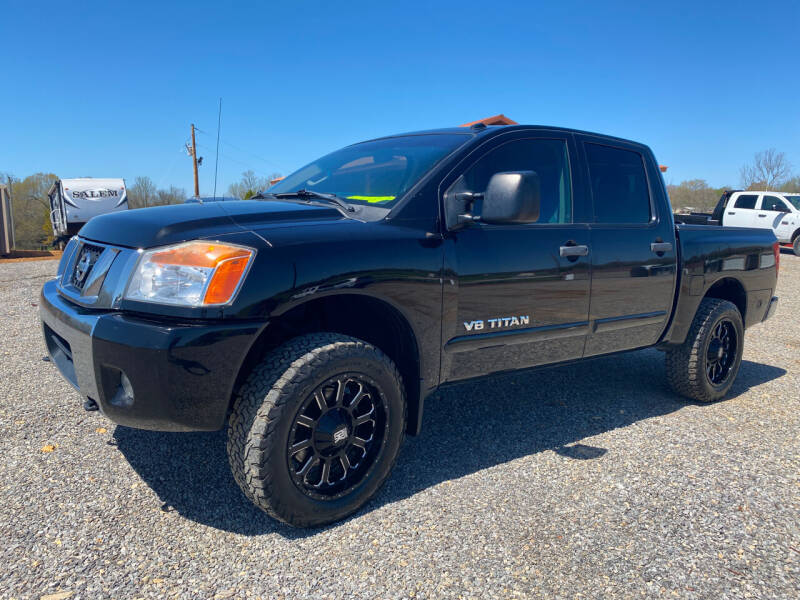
(779, 211)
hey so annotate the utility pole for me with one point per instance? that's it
(194, 162)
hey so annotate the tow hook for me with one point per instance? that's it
(90, 405)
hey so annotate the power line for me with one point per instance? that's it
(253, 154)
(269, 162)
(171, 167)
(236, 160)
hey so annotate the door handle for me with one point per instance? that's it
(573, 251)
(762, 215)
(732, 212)
(661, 247)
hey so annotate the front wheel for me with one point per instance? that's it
(706, 364)
(316, 428)
(796, 246)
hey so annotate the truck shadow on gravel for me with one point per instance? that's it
(466, 428)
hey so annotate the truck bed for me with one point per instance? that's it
(742, 259)
(695, 218)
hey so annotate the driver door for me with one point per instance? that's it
(517, 295)
(773, 211)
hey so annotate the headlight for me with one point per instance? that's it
(190, 274)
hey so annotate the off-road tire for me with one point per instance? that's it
(686, 364)
(796, 246)
(267, 404)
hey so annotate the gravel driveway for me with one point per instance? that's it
(587, 481)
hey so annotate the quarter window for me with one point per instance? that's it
(547, 158)
(746, 201)
(619, 185)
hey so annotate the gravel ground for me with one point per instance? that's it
(589, 481)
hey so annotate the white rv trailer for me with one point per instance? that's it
(74, 201)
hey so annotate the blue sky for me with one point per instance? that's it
(109, 89)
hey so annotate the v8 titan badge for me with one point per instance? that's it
(497, 323)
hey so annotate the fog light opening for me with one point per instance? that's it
(124, 393)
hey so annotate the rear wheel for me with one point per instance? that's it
(796, 246)
(705, 366)
(316, 428)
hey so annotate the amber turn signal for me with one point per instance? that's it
(228, 265)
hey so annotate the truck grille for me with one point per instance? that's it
(94, 274)
(87, 257)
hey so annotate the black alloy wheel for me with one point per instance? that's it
(336, 436)
(721, 352)
(316, 428)
(705, 365)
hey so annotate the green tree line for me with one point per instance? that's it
(31, 206)
(770, 170)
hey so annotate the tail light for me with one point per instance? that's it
(776, 250)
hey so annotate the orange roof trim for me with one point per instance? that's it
(500, 119)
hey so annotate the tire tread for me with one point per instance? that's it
(261, 403)
(684, 363)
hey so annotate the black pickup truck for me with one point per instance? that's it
(314, 321)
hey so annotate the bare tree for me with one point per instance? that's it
(173, 195)
(142, 193)
(250, 184)
(768, 170)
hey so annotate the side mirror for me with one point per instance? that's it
(512, 198)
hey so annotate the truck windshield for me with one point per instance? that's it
(377, 173)
(795, 200)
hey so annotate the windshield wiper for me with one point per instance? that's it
(308, 194)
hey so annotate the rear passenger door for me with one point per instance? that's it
(632, 247)
(741, 212)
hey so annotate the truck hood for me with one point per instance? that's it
(161, 225)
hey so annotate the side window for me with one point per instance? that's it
(548, 158)
(773, 203)
(746, 201)
(619, 185)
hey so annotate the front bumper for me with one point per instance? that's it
(145, 373)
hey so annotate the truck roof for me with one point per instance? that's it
(489, 130)
(772, 192)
